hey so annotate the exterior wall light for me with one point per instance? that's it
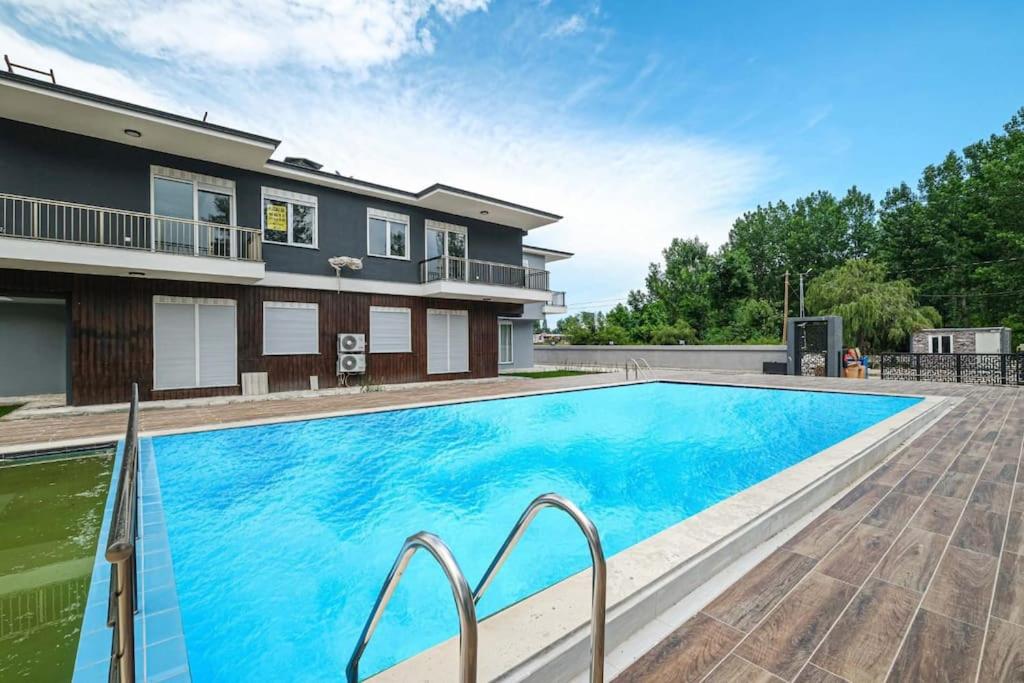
(132, 133)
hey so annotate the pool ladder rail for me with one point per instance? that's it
(466, 600)
(641, 368)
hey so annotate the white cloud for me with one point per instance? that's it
(576, 23)
(624, 194)
(75, 72)
(350, 35)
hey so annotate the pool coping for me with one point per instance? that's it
(160, 651)
(545, 637)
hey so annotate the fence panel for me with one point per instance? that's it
(967, 368)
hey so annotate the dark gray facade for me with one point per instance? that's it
(46, 163)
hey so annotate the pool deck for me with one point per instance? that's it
(916, 574)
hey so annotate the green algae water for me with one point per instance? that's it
(50, 514)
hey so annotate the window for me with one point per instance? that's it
(387, 234)
(194, 343)
(445, 239)
(504, 342)
(447, 341)
(940, 343)
(289, 218)
(290, 329)
(192, 197)
(390, 330)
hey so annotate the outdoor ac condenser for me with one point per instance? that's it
(349, 342)
(351, 363)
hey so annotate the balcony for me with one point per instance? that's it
(453, 277)
(557, 304)
(54, 235)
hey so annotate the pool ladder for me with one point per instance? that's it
(466, 600)
(641, 368)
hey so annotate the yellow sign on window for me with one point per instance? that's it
(277, 217)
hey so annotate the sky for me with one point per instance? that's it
(636, 121)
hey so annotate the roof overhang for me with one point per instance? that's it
(42, 104)
(443, 198)
(550, 255)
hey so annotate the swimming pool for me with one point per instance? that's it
(280, 535)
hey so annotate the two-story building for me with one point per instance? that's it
(142, 246)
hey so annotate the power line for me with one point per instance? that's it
(961, 265)
(972, 294)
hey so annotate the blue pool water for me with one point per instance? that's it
(281, 535)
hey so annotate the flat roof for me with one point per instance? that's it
(549, 254)
(37, 102)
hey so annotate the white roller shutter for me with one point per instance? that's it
(217, 346)
(390, 330)
(447, 341)
(194, 343)
(174, 345)
(458, 341)
(290, 329)
(437, 342)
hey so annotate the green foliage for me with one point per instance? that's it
(954, 242)
(877, 314)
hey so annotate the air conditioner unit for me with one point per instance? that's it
(349, 342)
(351, 363)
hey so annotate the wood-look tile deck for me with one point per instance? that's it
(916, 575)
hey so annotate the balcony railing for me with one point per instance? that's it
(482, 272)
(45, 219)
(557, 299)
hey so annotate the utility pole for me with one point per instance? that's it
(802, 275)
(785, 309)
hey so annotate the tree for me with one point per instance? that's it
(877, 315)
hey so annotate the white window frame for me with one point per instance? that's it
(291, 198)
(196, 302)
(939, 337)
(430, 224)
(198, 182)
(291, 304)
(391, 218)
(392, 309)
(511, 342)
(449, 313)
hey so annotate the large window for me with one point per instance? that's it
(390, 330)
(289, 218)
(940, 343)
(194, 343)
(447, 341)
(290, 329)
(445, 239)
(504, 342)
(387, 234)
(192, 197)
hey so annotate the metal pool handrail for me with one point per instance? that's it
(599, 583)
(121, 554)
(460, 591)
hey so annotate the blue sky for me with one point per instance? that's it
(637, 121)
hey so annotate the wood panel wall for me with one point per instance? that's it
(111, 335)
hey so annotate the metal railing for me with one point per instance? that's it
(641, 368)
(482, 272)
(599, 574)
(460, 591)
(56, 221)
(557, 299)
(120, 553)
(971, 368)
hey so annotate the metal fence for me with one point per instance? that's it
(970, 368)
